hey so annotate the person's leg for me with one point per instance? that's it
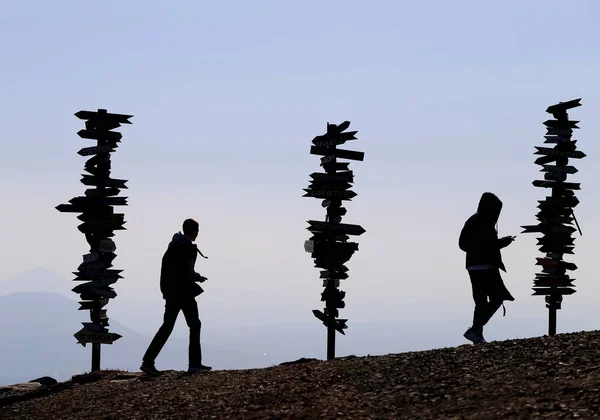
(480, 297)
(190, 311)
(497, 293)
(172, 307)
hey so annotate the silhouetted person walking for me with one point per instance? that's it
(479, 239)
(179, 288)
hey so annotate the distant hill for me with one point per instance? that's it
(557, 377)
(37, 330)
(37, 280)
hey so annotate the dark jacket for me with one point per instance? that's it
(177, 276)
(479, 238)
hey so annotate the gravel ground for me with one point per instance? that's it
(544, 377)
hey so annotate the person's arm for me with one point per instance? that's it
(465, 240)
(505, 241)
(190, 262)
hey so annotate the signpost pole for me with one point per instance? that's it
(99, 222)
(556, 211)
(329, 245)
(95, 356)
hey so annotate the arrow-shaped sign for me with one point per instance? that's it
(539, 291)
(86, 151)
(553, 283)
(85, 336)
(552, 184)
(103, 182)
(340, 194)
(346, 229)
(563, 106)
(99, 201)
(561, 124)
(547, 151)
(339, 324)
(347, 176)
(111, 136)
(565, 169)
(556, 139)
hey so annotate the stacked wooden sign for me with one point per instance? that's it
(99, 223)
(556, 214)
(329, 244)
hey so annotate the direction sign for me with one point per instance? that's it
(111, 136)
(561, 241)
(101, 192)
(85, 336)
(553, 283)
(87, 275)
(342, 195)
(339, 153)
(559, 131)
(555, 219)
(563, 106)
(347, 229)
(539, 291)
(89, 305)
(555, 176)
(92, 327)
(69, 208)
(559, 249)
(337, 166)
(561, 123)
(95, 266)
(339, 324)
(547, 151)
(545, 159)
(93, 291)
(347, 176)
(558, 203)
(99, 201)
(325, 141)
(556, 139)
(329, 185)
(552, 184)
(565, 169)
(103, 182)
(548, 228)
(86, 151)
(103, 115)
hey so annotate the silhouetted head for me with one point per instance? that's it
(191, 228)
(489, 208)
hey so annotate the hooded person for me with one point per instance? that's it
(479, 239)
(179, 287)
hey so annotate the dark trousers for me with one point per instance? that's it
(488, 293)
(189, 307)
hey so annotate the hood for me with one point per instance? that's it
(489, 207)
(180, 238)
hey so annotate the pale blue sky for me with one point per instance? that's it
(448, 99)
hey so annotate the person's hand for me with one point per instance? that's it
(506, 241)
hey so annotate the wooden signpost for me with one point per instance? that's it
(329, 244)
(99, 223)
(556, 215)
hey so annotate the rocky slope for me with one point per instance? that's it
(544, 377)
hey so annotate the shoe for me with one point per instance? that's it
(200, 368)
(474, 336)
(482, 339)
(149, 369)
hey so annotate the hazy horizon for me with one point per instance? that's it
(448, 99)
